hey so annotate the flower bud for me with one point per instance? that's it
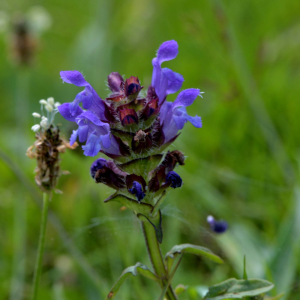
(137, 191)
(217, 226)
(174, 179)
(108, 173)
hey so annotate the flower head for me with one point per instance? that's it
(107, 124)
(133, 130)
(47, 147)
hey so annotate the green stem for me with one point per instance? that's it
(156, 258)
(38, 263)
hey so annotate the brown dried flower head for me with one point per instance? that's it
(46, 149)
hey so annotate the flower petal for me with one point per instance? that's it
(167, 51)
(186, 97)
(88, 115)
(73, 137)
(65, 111)
(165, 110)
(196, 121)
(181, 116)
(92, 146)
(175, 80)
(83, 133)
(106, 140)
(113, 148)
(73, 77)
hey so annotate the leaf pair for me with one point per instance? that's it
(169, 259)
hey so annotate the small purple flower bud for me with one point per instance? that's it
(115, 81)
(175, 179)
(137, 191)
(97, 165)
(217, 226)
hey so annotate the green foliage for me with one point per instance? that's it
(138, 268)
(188, 248)
(233, 288)
(142, 167)
(242, 166)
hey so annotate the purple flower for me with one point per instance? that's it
(217, 226)
(137, 191)
(125, 124)
(88, 97)
(164, 80)
(174, 179)
(92, 123)
(173, 116)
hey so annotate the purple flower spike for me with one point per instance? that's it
(165, 81)
(175, 179)
(137, 190)
(217, 226)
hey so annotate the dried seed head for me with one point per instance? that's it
(46, 149)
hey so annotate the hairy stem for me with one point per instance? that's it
(38, 263)
(156, 258)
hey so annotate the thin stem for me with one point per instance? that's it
(38, 263)
(156, 258)
(161, 297)
(14, 166)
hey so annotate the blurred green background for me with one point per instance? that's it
(242, 166)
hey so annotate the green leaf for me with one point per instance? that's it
(137, 207)
(233, 288)
(143, 166)
(189, 248)
(138, 268)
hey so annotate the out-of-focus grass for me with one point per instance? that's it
(242, 165)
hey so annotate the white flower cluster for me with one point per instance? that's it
(51, 109)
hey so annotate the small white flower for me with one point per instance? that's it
(50, 100)
(36, 127)
(44, 122)
(57, 104)
(43, 101)
(36, 115)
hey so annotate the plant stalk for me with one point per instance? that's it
(39, 260)
(156, 258)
